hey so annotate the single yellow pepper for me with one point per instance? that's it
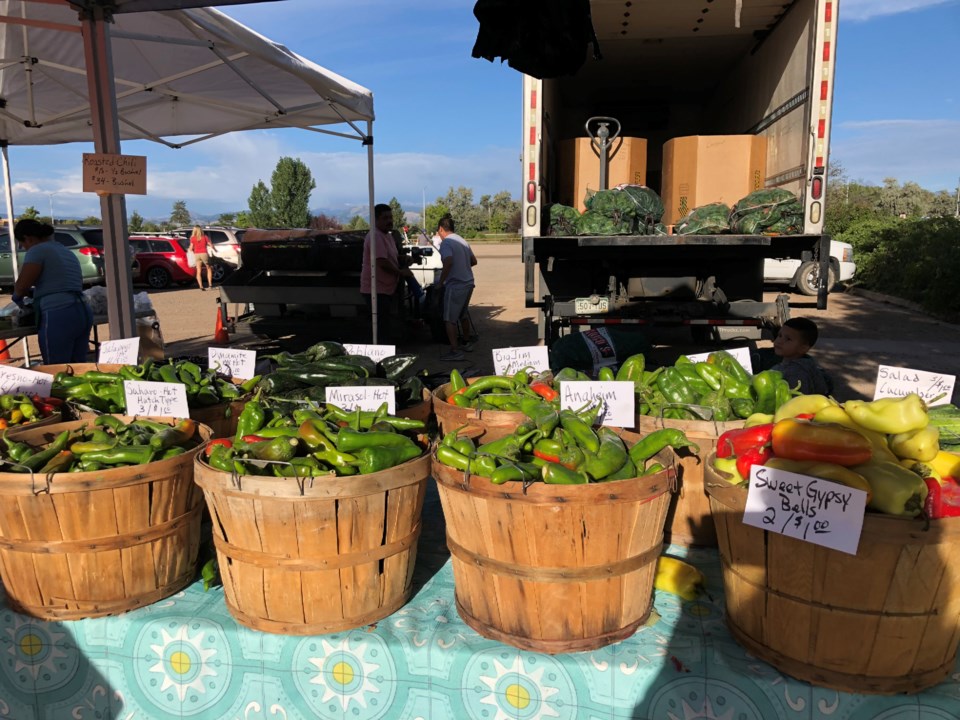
(922, 444)
(758, 419)
(836, 414)
(889, 415)
(946, 463)
(727, 467)
(824, 471)
(803, 405)
(924, 470)
(896, 490)
(678, 578)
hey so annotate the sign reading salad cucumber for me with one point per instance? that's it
(933, 388)
(156, 399)
(619, 404)
(805, 508)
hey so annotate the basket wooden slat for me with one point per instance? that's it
(883, 621)
(492, 424)
(331, 554)
(689, 521)
(558, 568)
(89, 544)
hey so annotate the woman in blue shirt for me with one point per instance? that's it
(56, 278)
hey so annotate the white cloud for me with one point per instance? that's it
(867, 9)
(922, 151)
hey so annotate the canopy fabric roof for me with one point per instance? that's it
(190, 72)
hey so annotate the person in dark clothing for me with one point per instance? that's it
(793, 342)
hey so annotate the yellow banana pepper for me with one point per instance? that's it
(922, 444)
(896, 490)
(678, 578)
(824, 471)
(803, 405)
(946, 463)
(889, 415)
(758, 419)
(836, 414)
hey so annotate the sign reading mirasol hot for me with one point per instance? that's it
(117, 174)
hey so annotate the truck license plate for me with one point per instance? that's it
(585, 306)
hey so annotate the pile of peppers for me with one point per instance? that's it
(20, 409)
(304, 376)
(718, 389)
(558, 447)
(886, 447)
(103, 391)
(314, 441)
(505, 392)
(109, 443)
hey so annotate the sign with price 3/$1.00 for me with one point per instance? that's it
(156, 399)
(806, 508)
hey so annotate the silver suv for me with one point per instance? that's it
(225, 240)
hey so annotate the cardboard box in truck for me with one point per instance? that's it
(579, 168)
(703, 169)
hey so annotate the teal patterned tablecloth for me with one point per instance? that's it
(185, 657)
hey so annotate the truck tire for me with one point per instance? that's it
(808, 278)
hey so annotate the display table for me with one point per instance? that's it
(14, 335)
(186, 657)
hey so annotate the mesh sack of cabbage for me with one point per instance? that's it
(770, 211)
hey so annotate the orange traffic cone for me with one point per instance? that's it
(220, 334)
(4, 353)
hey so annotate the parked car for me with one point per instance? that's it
(163, 260)
(90, 256)
(225, 240)
(805, 275)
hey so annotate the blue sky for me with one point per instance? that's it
(445, 119)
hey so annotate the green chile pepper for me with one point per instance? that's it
(628, 471)
(653, 469)
(632, 369)
(765, 388)
(611, 456)
(446, 455)
(375, 459)
(554, 474)
(456, 381)
(675, 388)
(581, 432)
(127, 455)
(527, 472)
(606, 374)
(730, 365)
(282, 448)
(657, 441)
(350, 440)
(251, 419)
(490, 382)
(221, 458)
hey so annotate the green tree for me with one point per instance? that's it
(399, 214)
(242, 220)
(91, 220)
(358, 222)
(227, 219)
(433, 215)
(261, 209)
(150, 226)
(135, 224)
(29, 213)
(180, 216)
(291, 184)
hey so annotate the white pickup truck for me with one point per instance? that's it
(804, 275)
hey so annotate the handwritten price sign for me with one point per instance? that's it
(120, 352)
(240, 364)
(363, 397)
(618, 397)
(507, 361)
(156, 399)
(19, 380)
(806, 508)
(741, 354)
(374, 352)
(897, 382)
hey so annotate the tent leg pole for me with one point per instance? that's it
(373, 233)
(106, 139)
(14, 260)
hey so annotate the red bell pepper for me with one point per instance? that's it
(752, 456)
(737, 442)
(943, 498)
(226, 442)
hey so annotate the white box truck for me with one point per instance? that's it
(670, 70)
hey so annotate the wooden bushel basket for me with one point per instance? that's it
(89, 544)
(884, 621)
(221, 418)
(493, 424)
(302, 557)
(560, 568)
(689, 521)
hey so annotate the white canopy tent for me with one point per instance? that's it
(192, 74)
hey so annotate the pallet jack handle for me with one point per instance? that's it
(601, 140)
